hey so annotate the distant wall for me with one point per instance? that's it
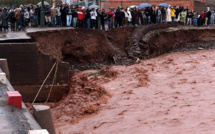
(114, 4)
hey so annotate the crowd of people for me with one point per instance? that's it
(78, 16)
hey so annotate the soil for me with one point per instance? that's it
(91, 49)
(82, 47)
(85, 97)
(172, 93)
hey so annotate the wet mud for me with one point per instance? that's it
(172, 93)
(161, 94)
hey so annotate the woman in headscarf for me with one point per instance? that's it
(163, 14)
(183, 16)
(168, 15)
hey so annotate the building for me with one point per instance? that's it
(192, 4)
(198, 5)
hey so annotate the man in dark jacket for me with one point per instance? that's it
(209, 17)
(87, 19)
(74, 17)
(12, 19)
(103, 18)
(134, 15)
(189, 17)
(117, 17)
(121, 17)
(63, 11)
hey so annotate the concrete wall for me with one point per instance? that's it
(27, 67)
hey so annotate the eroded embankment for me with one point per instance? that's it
(83, 47)
(90, 49)
(85, 98)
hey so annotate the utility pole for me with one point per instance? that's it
(42, 14)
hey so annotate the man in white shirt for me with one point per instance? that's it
(93, 15)
(58, 17)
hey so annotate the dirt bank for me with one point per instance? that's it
(85, 97)
(172, 93)
(83, 47)
(90, 49)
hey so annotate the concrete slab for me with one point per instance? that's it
(14, 36)
(32, 30)
(14, 120)
(22, 35)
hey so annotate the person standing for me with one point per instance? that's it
(69, 16)
(163, 14)
(87, 19)
(126, 17)
(48, 16)
(98, 19)
(5, 18)
(173, 14)
(168, 15)
(195, 19)
(32, 18)
(134, 15)
(81, 16)
(189, 18)
(158, 19)
(63, 14)
(58, 17)
(209, 17)
(0, 19)
(26, 18)
(12, 19)
(187, 10)
(74, 17)
(183, 16)
(110, 17)
(206, 18)
(212, 18)
(202, 18)
(121, 17)
(117, 17)
(37, 15)
(103, 18)
(93, 15)
(18, 17)
(153, 15)
(53, 16)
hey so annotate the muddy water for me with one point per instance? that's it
(173, 93)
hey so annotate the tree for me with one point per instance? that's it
(17, 3)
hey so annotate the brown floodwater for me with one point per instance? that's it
(172, 93)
